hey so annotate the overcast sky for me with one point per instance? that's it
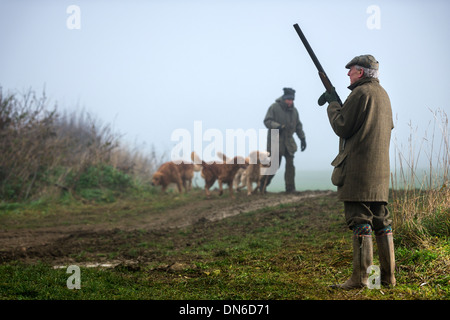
(151, 67)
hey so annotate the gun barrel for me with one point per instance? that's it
(323, 76)
(309, 49)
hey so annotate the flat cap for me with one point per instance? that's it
(366, 61)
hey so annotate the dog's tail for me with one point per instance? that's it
(227, 160)
(224, 158)
(198, 163)
(259, 157)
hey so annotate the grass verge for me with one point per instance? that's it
(287, 252)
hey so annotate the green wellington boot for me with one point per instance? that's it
(386, 254)
(362, 260)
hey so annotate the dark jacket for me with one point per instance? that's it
(280, 114)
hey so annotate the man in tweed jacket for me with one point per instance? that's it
(361, 169)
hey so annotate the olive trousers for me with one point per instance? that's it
(376, 214)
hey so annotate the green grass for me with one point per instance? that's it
(289, 252)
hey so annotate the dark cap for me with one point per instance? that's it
(289, 94)
(366, 61)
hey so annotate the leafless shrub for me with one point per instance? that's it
(136, 162)
(39, 148)
(27, 142)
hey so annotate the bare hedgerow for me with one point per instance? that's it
(86, 143)
(43, 152)
(137, 163)
(27, 142)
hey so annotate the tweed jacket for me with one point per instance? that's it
(363, 124)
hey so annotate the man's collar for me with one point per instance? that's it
(361, 82)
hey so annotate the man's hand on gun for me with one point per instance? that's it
(328, 97)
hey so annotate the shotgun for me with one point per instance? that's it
(323, 76)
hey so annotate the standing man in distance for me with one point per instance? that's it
(361, 169)
(283, 115)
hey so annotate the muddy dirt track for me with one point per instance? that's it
(66, 243)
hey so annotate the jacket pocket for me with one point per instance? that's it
(338, 175)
